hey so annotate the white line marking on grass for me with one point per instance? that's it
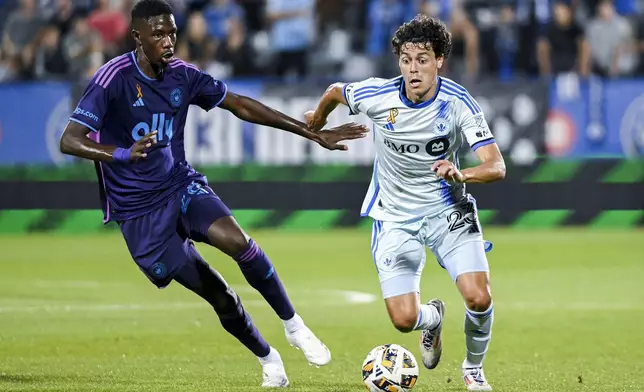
(322, 298)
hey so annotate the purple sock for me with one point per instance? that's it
(241, 326)
(259, 273)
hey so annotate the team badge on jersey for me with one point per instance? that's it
(176, 96)
(441, 125)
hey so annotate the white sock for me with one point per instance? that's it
(428, 318)
(273, 356)
(293, 324)
(478, 332)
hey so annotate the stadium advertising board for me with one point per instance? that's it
(595, 118)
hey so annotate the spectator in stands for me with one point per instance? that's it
(563, 47)
(111, 23)
(292, 26)
(611, 42)
(63, 16)
(506, 42)
(465, 35)
(83, 50)
(220, 15)
(196, 45)
(383, 19)
(639, 43)
(49, 60)
(236, 52)
(20, 37)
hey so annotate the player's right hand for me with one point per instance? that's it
(138, 149)
(330, 138)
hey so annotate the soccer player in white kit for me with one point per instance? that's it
(417, 195)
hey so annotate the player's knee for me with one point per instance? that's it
(237, 243)
(226, 303)
(404, 322)
(478, 301)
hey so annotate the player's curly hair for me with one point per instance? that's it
(146, 9)
(428, 32)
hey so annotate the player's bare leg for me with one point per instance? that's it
(479, 317)
(408, 314)
(197, 276)
(226, 235)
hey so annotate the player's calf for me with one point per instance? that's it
(479, 316)
(226, 235)
(407, 314)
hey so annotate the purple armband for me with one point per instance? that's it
(122, 154)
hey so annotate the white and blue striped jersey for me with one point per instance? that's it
(409, 138)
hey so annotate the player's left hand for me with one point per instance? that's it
(330, 138)
(447, 170)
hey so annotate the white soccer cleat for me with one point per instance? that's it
(474, 379)
(273, 373)
(314, 350)
(431, 343)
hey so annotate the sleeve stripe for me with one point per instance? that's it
(376, 93)
(461, 91)
(84, 124)
(482, 143)
(108, 73)
(346, 98)
(224, 95)
(462, 98)
(113, 73)
(110, 64)
(180, 63)
(358, 96)
(377, 86)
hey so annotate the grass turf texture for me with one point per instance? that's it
(77, 315)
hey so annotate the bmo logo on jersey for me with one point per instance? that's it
(164, 127)
(437, 146)
(401, 147)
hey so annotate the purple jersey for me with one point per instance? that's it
(120, 105)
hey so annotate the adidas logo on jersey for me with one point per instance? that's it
(139, 103)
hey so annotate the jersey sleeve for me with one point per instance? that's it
(92, 107)
(473, 125)
(357, 94)
(208, 92)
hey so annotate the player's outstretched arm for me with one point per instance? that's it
(74, 141)
(331, 98)
(256, 112)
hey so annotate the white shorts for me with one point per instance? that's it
(455, 238)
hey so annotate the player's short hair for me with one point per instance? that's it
(146, 9)
(425, 31)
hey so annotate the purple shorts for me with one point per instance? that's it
(159, 241)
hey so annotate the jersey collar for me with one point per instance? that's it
(418, 105)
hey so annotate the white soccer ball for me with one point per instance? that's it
(390, 368)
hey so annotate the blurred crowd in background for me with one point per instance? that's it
(346, 39)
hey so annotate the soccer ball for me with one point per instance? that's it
(390, 368)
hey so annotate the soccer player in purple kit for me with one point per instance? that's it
(134, 111)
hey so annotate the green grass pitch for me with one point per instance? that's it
(77, 315)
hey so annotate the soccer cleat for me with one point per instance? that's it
(431, 344)
(474, 379)
(273, 373)
(314, 350)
